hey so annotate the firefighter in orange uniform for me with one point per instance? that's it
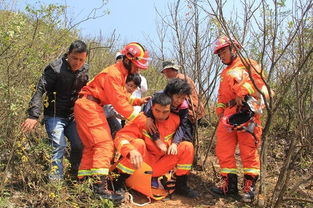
(107, 87)
(136, 145)
(235, 87)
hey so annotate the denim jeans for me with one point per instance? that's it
(57, 128)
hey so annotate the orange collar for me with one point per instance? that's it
(121, 68)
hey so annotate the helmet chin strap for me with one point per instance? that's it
(127, 64)
(232, 58)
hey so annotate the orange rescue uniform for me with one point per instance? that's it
(106, 88)
(135, 136)
(234, 82)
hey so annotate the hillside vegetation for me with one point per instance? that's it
(32, 39)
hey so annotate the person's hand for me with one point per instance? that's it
(172, 150)
(145, 99)
(239, 101)
(161, 145)
(152, 129)
(135, 158)
(28, 125)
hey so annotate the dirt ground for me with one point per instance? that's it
(199, 181)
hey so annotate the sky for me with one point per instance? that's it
(132, 20)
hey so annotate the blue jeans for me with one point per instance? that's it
(57, 128)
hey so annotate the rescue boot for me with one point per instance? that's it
(181, 187)
(249, 187)
(229, 188)
(119, 183)
(82, 179)
(100, 187)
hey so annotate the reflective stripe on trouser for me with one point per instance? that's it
(161, 164)
(226, 145)
(125, 165)
(251, 171)
(225, 171)
(95, 135)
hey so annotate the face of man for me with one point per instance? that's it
(170, 73)
(131, 87)
(76, 60)
(161, 112)
(226, 55)
(178, 99)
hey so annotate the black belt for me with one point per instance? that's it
(90, 97)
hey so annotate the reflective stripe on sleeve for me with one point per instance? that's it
(168, 137)
(220, 105)
(125, 169)
(132, 99)
(120, 145)
(146, 134)
(249, 88)
(134, 114)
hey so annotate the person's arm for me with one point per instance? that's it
(180, 132)
(126, 135)
(194, 93)
(152, 129)
(138, 101)
(46, 82)
(121, 99)
(147, 109)
(220, 106)
(221, 98)
(241, 85)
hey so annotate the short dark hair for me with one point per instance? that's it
(177, 86)
(78, 46)
(135, 78)
(161, 98)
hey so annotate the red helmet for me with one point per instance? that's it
(137, 54)
(223, 42)
(240, 120)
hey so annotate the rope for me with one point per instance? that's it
(131, 199)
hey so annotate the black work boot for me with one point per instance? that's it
(229, 188)
(119, 182)
(100, 187)
(181, 187)
(249, 188)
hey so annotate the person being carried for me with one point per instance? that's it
(141, 89)
(61, 81)
(105, 88)
(178, 90)
(136, 146)
(114, 119)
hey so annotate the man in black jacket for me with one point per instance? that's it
(61, 81)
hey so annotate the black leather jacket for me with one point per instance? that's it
(61, 86)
